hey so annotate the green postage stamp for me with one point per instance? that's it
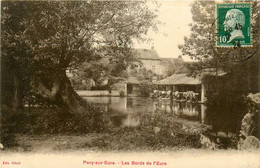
(233, 25)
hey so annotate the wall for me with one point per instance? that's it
(153, 65)
(90, 93)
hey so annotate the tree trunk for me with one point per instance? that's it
(17, 102)
(11, 89)
(55, 87)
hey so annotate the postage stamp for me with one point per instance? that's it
(233, 25)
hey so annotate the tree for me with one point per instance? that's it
(200, 46)
(174, 66)
(44, 39)
(109, 67)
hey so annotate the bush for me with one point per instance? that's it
(42, 120)
(170, 135)
(143, 137)
(145, 88)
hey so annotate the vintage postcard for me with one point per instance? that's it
(130, 84)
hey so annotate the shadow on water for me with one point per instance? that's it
(128, 112)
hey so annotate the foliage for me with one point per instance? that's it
(241, 77)
(174, 66)
(145, 88)
(41, 38)
(43, 120)
(200, 45)
(98, 71)
(144, 74)
(171, 133)
(250, 122)
(80, 84)
(56, 31)
(233, 86)
(40, 122)
(143, 138)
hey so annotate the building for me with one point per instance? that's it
(183, 83)
(151, 61)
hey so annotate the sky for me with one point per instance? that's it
(176, 16)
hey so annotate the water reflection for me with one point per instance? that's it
(126, 112)
(129, 112)
(124, 120)
(191, 111)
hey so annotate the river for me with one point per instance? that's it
(128, 111)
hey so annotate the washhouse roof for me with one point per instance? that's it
(132, 80)
(179, 79)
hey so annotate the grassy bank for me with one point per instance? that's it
(48, 130)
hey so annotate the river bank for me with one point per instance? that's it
(123, 124)
(157, 132)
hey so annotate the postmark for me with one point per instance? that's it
(233, 25)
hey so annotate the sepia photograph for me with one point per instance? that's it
(130, 83)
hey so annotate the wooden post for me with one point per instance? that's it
(203, 98)
(203, 113)
(126, 93)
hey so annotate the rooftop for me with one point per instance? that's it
(132, 80)
(179, 79)
(146, 54)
